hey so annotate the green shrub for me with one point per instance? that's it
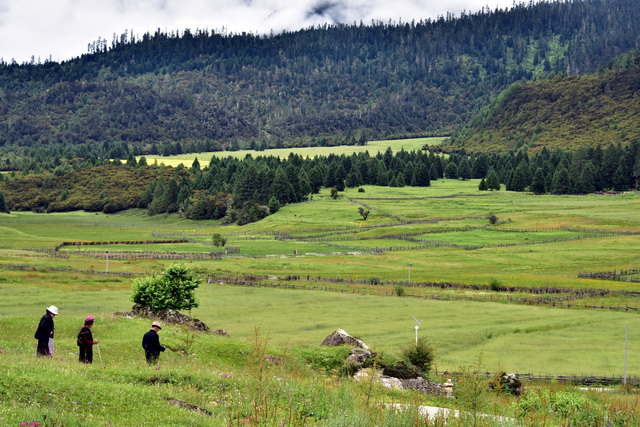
(420, 355)
(174, 289)
(328, 359)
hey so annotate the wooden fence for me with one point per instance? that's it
(583, 380)
(615, 275)
(23, 267)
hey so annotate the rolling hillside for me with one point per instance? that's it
(196, 90)
(562, 112)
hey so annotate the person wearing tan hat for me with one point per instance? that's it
(86, 342)
(44, 333)
(151, 344)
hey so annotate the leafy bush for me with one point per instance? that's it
(495, 285)
(325, 358)
(174, 289)
(420, 355)
(218, 240)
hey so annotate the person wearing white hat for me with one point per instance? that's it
(151, 344)
(44, 333)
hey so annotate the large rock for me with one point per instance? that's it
(340, 337)
(393, 383)
(358, 357)
(169, 316)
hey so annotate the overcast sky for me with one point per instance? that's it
(62, 29)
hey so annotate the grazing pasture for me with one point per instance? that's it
(508, 295)
(413, 239)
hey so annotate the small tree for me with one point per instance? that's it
(218, 240)
(3, 204)
(493, 219)
(173, 289)
(420, 355)
(334, 193)
(364, 212)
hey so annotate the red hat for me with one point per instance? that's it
(89, 319)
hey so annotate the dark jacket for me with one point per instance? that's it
(151, 342)
(85, 338)
(45, 328)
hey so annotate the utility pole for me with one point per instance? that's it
(409, 277)
(626, 353)
(106, 259)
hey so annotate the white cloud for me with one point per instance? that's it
(63, 28)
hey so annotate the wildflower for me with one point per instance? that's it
(226, 375)
(158, 368)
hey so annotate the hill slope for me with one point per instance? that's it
(167, 93)
(562, 112)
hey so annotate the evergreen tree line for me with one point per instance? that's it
(333, 83)
(247, 190)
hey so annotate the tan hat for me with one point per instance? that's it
(156, 324)
(53, 310)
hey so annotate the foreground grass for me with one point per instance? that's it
(517, 338)
(228, 381)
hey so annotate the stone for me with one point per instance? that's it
(358, 357)
(341, 337)
(170, 317)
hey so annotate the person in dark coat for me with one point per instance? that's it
(44, 333)
(151, 344)
(85, 341)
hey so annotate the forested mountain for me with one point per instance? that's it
(199, 90)
(562, 112)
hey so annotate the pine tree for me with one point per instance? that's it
(561, 183)
(4, 207)
(493, 182)
(464, 170)
(281, 188)
(538, 184)
(483, 185)
(451, 171)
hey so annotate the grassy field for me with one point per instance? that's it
(373, 147)
(327, 250)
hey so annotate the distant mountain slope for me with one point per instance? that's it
(562, 112)
(166, 93)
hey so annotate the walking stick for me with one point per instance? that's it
(99, 355)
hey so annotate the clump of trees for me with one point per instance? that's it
(173, 289)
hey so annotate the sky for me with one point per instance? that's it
(59, 30)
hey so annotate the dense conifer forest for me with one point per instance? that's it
(531, 79)
(197, 90)
(560, 112)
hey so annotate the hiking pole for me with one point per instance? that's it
(99, 355)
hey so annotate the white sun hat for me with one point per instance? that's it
(53, 309)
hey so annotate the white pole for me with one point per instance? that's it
(99, 355)
(417, 327)
(626, 353)
(409, 281)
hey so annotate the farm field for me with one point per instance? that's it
(373, 147)
(414, 239)
(496, 297)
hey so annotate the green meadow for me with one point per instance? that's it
(438, 234)
(373, 147)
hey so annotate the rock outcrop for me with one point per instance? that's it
(169, 316)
